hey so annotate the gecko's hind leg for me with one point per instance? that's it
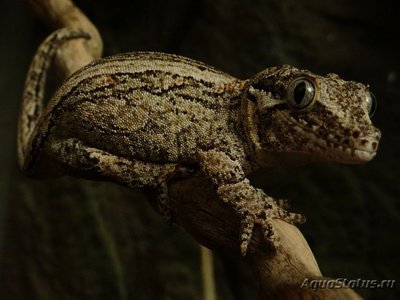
(80, 160)
(169, 172)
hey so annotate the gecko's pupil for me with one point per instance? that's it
(299, 92)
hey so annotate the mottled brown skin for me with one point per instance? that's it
(337, 127)
(140, 119)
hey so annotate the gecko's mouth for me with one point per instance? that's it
(356, 148)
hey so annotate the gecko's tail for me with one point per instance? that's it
(33, 96)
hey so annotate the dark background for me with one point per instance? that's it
(74, 239)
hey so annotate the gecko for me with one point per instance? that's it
(142, 119)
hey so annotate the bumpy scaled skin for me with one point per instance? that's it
(140, 119)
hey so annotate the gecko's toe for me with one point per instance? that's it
(283, 203)
(268, 230)
(291, 218)
(245, 233)
(163, 203)
(270, 234)
(263, 214)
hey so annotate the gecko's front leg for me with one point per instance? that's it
(251, 204)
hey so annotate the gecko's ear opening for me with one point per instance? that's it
(251, 95)
(258, 97)
(262, 99)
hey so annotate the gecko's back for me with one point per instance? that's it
(149, 106)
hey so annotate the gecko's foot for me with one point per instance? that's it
(163, 198)
(263, 216)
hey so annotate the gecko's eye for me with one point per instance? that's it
(371, 104)
(301, 93)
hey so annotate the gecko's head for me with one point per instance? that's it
(296, 113)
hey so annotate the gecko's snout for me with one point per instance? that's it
(365, 145)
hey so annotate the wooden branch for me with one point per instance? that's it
(280, 274)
